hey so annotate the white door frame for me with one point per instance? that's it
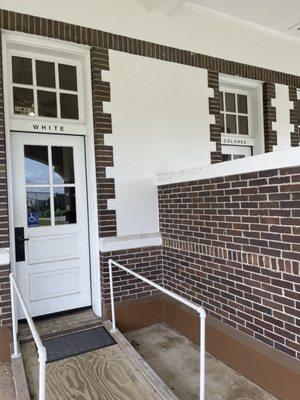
(84, 51)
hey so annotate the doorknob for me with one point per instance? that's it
(21, 239)
(19, 243)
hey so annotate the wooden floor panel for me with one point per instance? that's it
(116, 372)
(60, 324)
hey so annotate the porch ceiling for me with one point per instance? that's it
(280, 15)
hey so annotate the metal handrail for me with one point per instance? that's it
(200, 310)
(40, 347)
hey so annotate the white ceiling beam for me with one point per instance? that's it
(167, 7)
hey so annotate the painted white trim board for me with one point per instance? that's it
(130, 242)
(4, 256)
(261, 162)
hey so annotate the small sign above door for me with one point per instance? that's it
(34, 125)
(237, 140)
(47, 128)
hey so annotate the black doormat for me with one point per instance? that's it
(77, 343)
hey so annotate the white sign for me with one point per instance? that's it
(49, 128)
(237, 140)
(23, 125)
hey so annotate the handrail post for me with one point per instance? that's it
(112, 300)
(42, 373)
(202, 315)
(16, 352)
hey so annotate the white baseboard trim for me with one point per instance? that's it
(130, 242)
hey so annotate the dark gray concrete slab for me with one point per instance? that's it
(176, 360)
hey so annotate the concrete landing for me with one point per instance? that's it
(176, 360)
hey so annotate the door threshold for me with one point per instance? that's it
(60, 323)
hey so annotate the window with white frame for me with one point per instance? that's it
(234, 112)
(241, 117)
(45, 87)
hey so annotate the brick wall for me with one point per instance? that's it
(295, 117)
(5, 310)
(269, 116)
(214, 109)
(146, 261)
(233, 245)
(103, 153)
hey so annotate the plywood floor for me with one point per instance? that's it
(59, 324)
(113, 373)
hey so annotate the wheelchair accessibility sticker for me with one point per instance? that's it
(33, 219)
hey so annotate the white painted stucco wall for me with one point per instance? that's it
(160, 124)
(190, 29)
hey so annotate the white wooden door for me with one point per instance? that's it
(50, 204)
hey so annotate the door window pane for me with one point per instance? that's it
(47, 103)
(23, 101)
(226, 157)
(22, 70)
(242, 103)
(230, 102)
(230, 123)
(64, 205)
(67, 77)
(63, 166)
(243, 125)
(36, 165)
(69, 106)
(45, 73)
(38, 207)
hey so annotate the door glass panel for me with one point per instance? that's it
(67, 77)
(45, 73)
(64, 205)
(23, 101)
(22, 70)
(242, 103)
(63, 166)
(243, 125)
(230, 102)
(69, 106)
(230, 123)
(38, 207)
(226, 157)
(47, 103)
(36, 165)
